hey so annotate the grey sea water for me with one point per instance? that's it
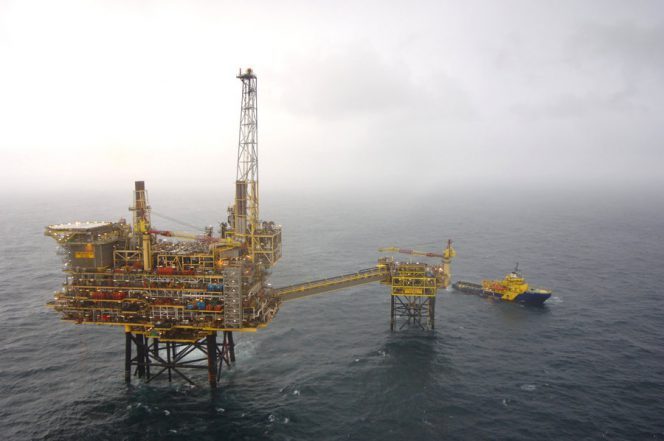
(587, 365)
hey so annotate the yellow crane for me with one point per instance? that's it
(447, 255)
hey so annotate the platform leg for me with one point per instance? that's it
(146, 355)
(432, 312)
(140, 356)
(212, 359)
(155, 347)
(231, 347)
(128, 343)
(168, 360)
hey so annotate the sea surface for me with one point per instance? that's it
(587, 365)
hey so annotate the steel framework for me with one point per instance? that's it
(412, 311)
(174, 297)
(413, 299)
(154, 357)
(246, 184)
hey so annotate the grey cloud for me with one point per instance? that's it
(633, 49)
(573, 106)
(604, 69)
(358, 82)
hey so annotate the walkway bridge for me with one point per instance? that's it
(306, 289)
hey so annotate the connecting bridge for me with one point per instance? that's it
(306, 289)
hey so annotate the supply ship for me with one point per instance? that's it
(513, 288)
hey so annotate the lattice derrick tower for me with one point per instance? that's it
(246, 214)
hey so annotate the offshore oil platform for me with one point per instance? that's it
(180, 297)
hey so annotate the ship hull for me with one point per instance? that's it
(531, 297)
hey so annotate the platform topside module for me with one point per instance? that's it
(124, 275)
(119, 275)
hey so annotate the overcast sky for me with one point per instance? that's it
(367, 94)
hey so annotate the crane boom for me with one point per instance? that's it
(409, 251)
(448, 253)
(185, 235)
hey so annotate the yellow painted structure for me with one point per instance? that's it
(510, 287)
(413, 279)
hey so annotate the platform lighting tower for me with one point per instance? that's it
(246, 184)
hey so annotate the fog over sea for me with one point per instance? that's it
(587, 365)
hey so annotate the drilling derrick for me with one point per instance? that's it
(246, 184)
(262, 240)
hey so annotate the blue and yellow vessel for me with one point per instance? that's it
(513, 288)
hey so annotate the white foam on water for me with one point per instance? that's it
(246, 349)
(528, 387)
